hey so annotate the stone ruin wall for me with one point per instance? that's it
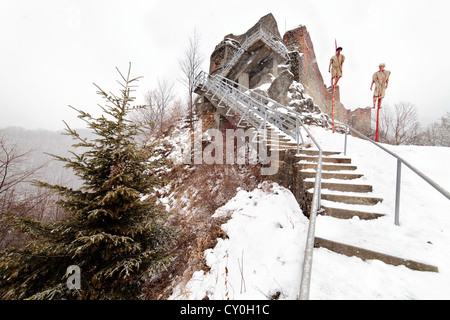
(222, 52)
(217, 58)
(304, 67)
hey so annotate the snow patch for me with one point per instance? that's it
(263, 255)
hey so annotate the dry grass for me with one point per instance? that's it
(195, 192)
(207, 187)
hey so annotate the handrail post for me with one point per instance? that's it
(319, 191)
(397, 192)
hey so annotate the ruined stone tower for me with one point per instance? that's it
(285, 71)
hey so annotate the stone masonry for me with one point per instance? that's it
(260, 65)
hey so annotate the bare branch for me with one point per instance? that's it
(190, 66)
(399, 125)
(12, 171)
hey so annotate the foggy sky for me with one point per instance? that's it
(53, 50)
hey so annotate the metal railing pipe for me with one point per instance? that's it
(308, 259)
(400, 161)
(305, 284)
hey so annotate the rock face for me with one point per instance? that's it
(231, 43)
(293, 80)
(306, 71)
(279, 88)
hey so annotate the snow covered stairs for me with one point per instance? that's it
(274, 138)
(365, 254)
(338, 185)
(342, 197)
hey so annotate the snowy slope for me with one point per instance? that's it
(264, 253)
(423, 234)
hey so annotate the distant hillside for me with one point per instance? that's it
(42, 143)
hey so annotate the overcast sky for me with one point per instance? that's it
(53, 50)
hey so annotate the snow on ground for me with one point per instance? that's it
(263, 254)
(423, 234)
(267, 232)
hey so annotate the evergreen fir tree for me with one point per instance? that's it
(116, 239)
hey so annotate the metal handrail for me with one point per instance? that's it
(315, 206)
(400, 161)
(233, 90)
(290, 115)
(243, 100)
(258, 32)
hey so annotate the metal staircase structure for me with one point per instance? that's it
(258, 33)
(252, 108)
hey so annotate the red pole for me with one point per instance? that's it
(332, 108)
(378, 119)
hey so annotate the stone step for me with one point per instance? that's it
(369, 201)
(270, 132)
(365, 254)
(276, 134)
(332, 175)
(328, 167)
(280, 143)
(312, 152)
(283, 148)
(274, 137)
(340, 213)
(324, 159)
(340, 186)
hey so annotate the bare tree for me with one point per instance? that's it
(190, 66)
(147, 118)
(176, 111)
(163, 97)
(16, 194)
(13, 169)
(158, 104)
(399, 125)
(406, 128)
(438, 133)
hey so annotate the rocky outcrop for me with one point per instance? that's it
(279, 88)
(295, 82)
(230, 44)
